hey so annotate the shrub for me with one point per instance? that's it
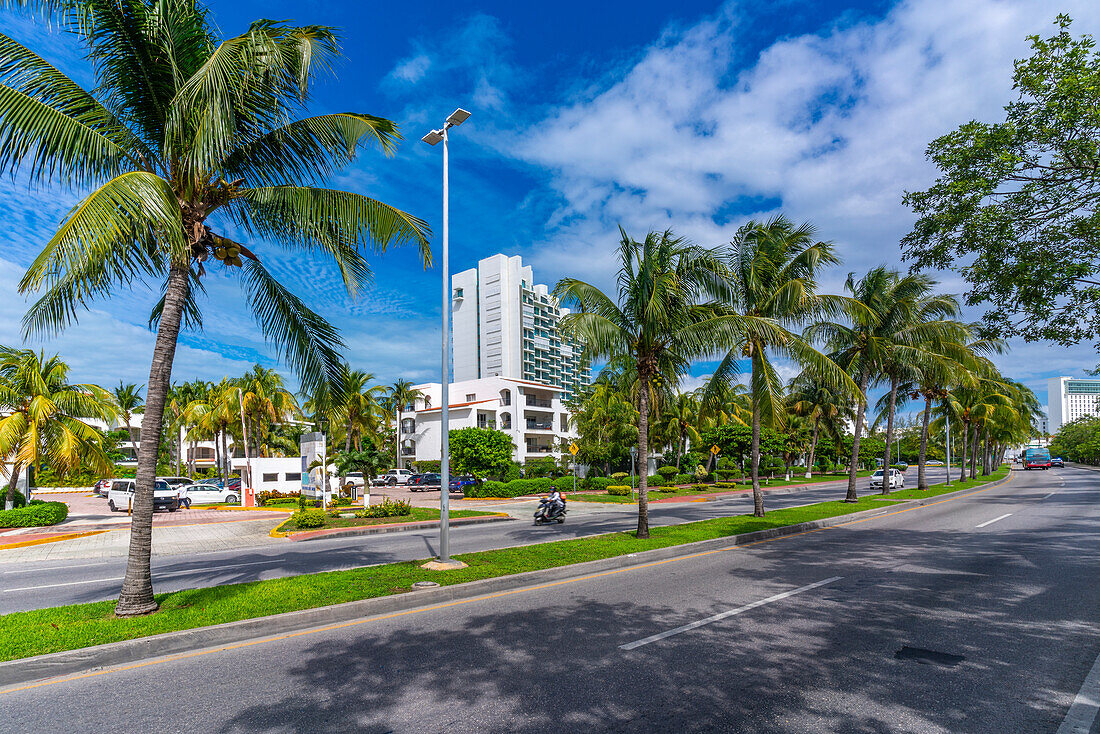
(668, 488)
(388, 508)
(728, 474)
(619, 490)
(655, 480)
(596, 483)
(700, 473)
(305, 519)
(428, 467)
(514, 488)
(341, 502)
(36, 514)
(268, 495)
(512, 472)
(667, 471)
(682, 479)
(725, 485)
(702, 487)
(20, 500)
(620, 475)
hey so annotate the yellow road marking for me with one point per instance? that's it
(460, 602)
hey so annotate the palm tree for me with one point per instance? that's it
(128, 401)
(679, 422)
(862, 346)
(359, 408)
(45, 414)
(774, 279)
(266, 402)
(816, 401)
(186, 127)
(919, 328)
(402, 394)
(662, 318)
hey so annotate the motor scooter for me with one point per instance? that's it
(548, 512)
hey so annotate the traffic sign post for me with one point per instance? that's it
(573, 449)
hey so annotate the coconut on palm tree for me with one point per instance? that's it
(189, 136)
(44, 417)
(774, 288)
(661, 318)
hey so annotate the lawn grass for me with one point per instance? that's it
(82, 625)
(741, 485)
(418, 514)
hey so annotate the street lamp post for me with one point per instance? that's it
(435, 137)
(947, 444)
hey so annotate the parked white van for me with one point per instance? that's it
(120, 497)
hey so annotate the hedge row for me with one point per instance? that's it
(36, 514)
(618, 490)
(515, 488)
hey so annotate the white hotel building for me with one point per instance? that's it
(513, 367)
(1070, 398)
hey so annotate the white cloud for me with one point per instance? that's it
(411, 70)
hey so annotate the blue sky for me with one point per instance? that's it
(694, 115)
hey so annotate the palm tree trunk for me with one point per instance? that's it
(9, 502)
(398, 440)
(136, 596)
(922, 456)
(974, 452)
(754, 455)
(889, 435)
(813, 448)
(962, 454)
(643, 459)
(853, 466)
(679, 451)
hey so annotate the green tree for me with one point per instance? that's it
(185, 130)
(482, 452)
(44, 417)
(774, 279)
(1016, 200)
(662, 318)
(680, 422)
(370, 460)
(402, 394)
(827, 411)
(128, 400)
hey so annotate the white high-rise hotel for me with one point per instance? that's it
(513, 367)
(1070, 398)
(507, 326)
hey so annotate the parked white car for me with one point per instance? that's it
(203, 493)
(120, 497)
(394, 476)
(897, 479)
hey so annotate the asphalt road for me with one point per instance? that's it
(979, 614)
(53, 583)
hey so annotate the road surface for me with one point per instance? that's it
(53, 583)
(979, 614)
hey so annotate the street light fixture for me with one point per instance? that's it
(434, 137)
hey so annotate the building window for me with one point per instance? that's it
(271, 477)
(294, 476)
(471, 397)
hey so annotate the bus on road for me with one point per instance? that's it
(1036, 458)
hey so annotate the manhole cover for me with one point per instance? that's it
(928, 657)
(425, 585)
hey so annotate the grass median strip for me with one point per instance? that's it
(82, 625)
(419, 514)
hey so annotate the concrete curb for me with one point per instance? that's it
(25, 670)
(391, 528)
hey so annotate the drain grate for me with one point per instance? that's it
(928, 657)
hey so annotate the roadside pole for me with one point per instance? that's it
(573, 449)
(947, 444)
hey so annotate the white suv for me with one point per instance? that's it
(897, 479)
(120, 497)
(394, 476)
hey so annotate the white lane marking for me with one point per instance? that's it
(56, 568)
(695, 625)
(1082, 712)
(990, 522)
(1048, 496)
(163, 575)
(67, 583)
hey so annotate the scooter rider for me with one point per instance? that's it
(557, 502)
